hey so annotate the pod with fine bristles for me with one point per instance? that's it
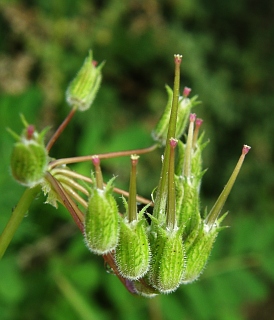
(29, 156)
(101, 226)
(168, 260)
(132, 253)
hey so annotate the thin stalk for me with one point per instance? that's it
(132, 206)
(171, 207)
(17, 217)
(55, 172)
(102, 156)
(76, 214)
(217, 207)
(70, 182)
(61, 128)
(161, 196)
(70, 173)
(198, 124)
(71, 192)
(98, 173)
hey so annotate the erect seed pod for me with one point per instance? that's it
(101, 221)
(198, 253)
(83, 88)
(29, 156)
(168, 260)
(132, 253)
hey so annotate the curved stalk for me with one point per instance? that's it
(17, 217)
(101, 156)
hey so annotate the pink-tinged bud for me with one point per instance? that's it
(96, 161)
(173, 143)
(192, 117)
(186, 92)
(134, 160)
(30, 131)
(178, 58)
(245, 149)
(94, 63)
(199, 122)
(98, 173)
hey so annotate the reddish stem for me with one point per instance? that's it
(61, 128)
(102, 156)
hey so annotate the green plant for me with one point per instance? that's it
(150, 253)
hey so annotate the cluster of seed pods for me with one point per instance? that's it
(150, 253)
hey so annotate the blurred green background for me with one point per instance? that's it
(47, 272)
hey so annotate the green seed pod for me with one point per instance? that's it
(187, 213)
(101, 221)
(84, 87)
(29, 156)
(199, 251)
(168, 260)
(28, 163)
(132, 252)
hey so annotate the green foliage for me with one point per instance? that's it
(227, 60)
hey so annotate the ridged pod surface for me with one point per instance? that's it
(198, 253)
(28, 162)
(101, 222)
(168, 261)
(132, 253)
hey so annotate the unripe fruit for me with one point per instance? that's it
(28, 163)
(101, 222)
(132, 253)
(168, 261)
(29, 156)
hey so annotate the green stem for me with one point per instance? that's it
(132, 206)
(17, 217)
(161, 196)
(217, 207)
(98, 173)
(171, 199)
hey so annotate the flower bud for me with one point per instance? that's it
(185, 104)
(84, 87)
(132, 252)
(29, 156)
(101, 221)
(168, 260)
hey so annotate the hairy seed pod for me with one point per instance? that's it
(29, 156)
(168, 261)
(101, 222)
(84, 87)
(132, 253)
(28, 163)
(198, 253)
